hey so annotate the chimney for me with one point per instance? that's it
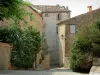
(67, 7)
(89, 8)
(63, 7)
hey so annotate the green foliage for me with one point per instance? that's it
(79, 54)
(98, 25)
(14, 9)
(26, 44)
(86, 43)
(10, 8)
(80, 50)
(27, 3)
(7, 34)
(95, 36)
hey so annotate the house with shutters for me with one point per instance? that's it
(52, 14)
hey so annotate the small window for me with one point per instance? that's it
(46, 14)
(72, 28)
(59, 17)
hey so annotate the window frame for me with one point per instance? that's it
(70, 28)
(59, 16)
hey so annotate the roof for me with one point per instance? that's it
(49, 8)
(97, 11)
(38, 11)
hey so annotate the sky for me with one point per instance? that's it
(77, 7)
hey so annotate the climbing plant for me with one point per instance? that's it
(10, 8)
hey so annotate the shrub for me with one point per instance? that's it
(80, 52)
(85, 45)
(26, 44)
(96, 39)
(79, 55)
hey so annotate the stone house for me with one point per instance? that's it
(34, 19)
(68, 28)
(51, 15)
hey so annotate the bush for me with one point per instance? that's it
(25, 56)
(79, 56)
(81, 53)
(26, 44)
(96, 39)
(86, 45)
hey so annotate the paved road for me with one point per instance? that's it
(95, 70)
(45, 72)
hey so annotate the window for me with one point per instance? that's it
(46, 14)
(72, 28)
(59, 16)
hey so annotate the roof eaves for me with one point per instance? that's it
(44, 8)
(37, 10)
(55, 11)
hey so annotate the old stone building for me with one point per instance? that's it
(68, 28)
(51, 15)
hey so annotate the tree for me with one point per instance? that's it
(10, 8)
(26, 44)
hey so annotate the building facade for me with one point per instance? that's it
(70, 28)
(51, 15)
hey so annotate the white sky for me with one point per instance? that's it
(76, 6)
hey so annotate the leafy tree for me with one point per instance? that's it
(26, 44)
(10, 8)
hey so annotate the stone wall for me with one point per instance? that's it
(5, 50)
(84, 19)
(96, 61)
(67, 63)
(45, 65)
(42, 61)
(51, 36)
(35, 20)
(61, 30)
